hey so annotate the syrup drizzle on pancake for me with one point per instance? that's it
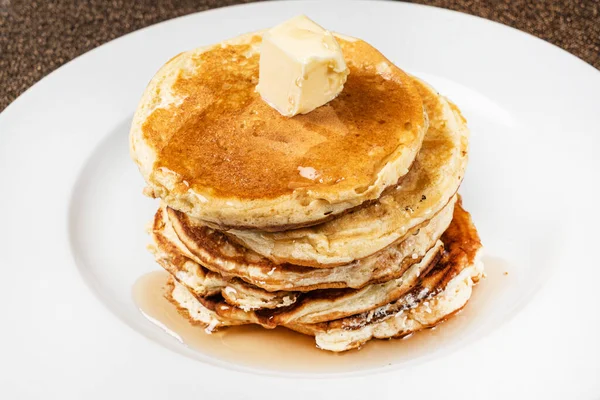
(225, 138)
(285, 351)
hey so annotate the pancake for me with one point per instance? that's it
(194, 311)
(325, 305)
(209, 146)
(432, 181)
(315, 306)
(213, 250)
(203, 282)
(401, 318)
(442, 291)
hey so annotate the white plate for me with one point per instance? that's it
(72, 238)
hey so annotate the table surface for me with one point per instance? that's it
(38, 36)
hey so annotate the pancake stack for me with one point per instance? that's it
(343, 223)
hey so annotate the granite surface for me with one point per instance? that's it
(38, 36)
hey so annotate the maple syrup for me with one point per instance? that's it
(286, 351)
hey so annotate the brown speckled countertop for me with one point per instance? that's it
(38, 36)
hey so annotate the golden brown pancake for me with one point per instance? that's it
(209, 146)
(216, 252)
(240, 276)
(439, 293)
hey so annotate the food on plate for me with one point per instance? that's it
(306, 181)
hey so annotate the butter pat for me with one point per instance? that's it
(301, 67)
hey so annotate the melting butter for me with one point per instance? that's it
(301, 67)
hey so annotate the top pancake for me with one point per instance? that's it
(209, 146)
